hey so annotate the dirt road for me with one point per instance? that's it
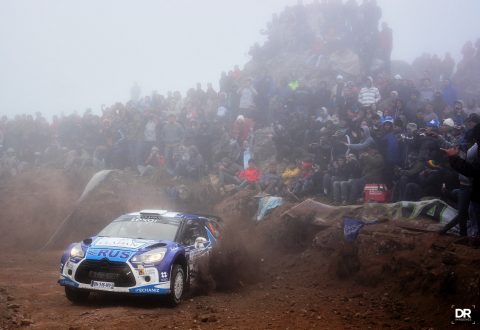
(290, 297)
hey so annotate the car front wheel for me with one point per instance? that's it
(177, 285)
(76, 295)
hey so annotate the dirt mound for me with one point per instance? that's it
(408, 260)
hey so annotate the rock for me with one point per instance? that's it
(357, 295)
(26, 322)
(208, 318)
(13, 306)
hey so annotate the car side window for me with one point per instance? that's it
(193, 230)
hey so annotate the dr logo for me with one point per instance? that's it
(464, 315)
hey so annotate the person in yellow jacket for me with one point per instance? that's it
(291, 172)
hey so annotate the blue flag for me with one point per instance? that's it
(351, 228)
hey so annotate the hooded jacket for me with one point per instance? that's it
(471, 171)
(367, 141)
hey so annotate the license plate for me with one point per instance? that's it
(102, 285)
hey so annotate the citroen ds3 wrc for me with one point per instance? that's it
(151, 252)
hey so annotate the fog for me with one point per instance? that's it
(64, 56)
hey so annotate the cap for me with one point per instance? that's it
(339, 77)
(398, 77)
(240, 118)
(433, 123)
(449, 122)
(387, 119)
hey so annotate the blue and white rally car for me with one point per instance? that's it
(151, 252)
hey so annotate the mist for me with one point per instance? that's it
(64, 56)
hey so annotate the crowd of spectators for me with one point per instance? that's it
(331, 138)
(328, 27)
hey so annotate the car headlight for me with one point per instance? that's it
(76, 251)
(150, 257)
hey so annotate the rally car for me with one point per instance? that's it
(151, 252)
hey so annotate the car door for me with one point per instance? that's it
(195, 253)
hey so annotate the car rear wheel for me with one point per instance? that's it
(177, 285)
(76, 295)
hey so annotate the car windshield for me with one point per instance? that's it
(142, 227)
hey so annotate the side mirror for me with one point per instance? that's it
(200, 242)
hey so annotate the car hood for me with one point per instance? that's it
(118, 249)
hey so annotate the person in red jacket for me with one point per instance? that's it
(250, 177)
(242, 127)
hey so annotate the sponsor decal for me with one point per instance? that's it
(110, 254)
(146, 271)
(152, 289)
(129, 243)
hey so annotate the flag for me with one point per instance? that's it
(351, 228)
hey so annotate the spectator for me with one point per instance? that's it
(449, 92)
(338, 93)
(426, 91)
(242, 127)
(341, 189)
(470, 170)
(386, 44)
(250, 177)
(372, 165)
(367, 140)
(430, 115)
(369, 95)
(458, 115)
(270, 181)
(173, 135)
(247, 95)
(292, 171)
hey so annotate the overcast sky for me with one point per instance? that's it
(62, 55)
